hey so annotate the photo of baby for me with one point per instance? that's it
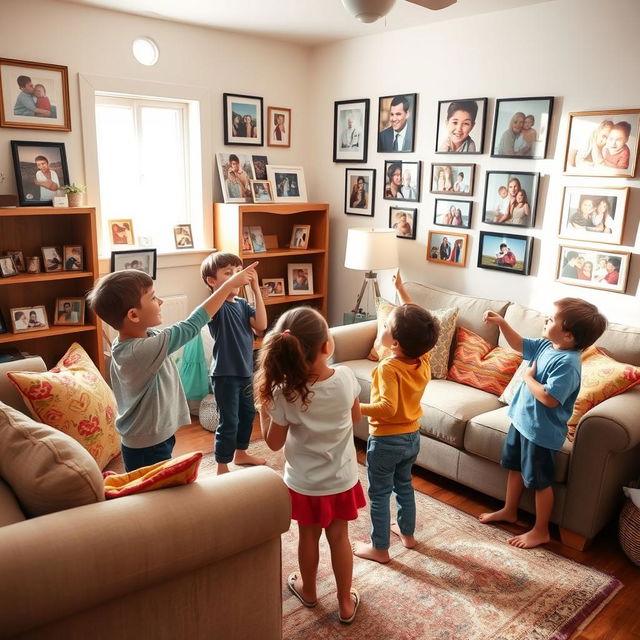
(404, 222)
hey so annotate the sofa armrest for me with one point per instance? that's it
(353, 341)
(63, 563)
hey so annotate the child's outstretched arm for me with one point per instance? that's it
(259, 321)
(217, 298)
(399, 285)
(510, 335)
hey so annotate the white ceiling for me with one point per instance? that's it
(305, 21)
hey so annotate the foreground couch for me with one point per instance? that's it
(463, 428)
(195, 561)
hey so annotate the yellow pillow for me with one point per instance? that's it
(73, 398)
(440, 352)
(169, 473)
(602, 378)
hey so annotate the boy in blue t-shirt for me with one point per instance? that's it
(541, 408)
(232, 364)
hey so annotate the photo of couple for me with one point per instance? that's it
(452, 213)
(589, 268)
(510, 198)
(457, 120)
(402, 180)
(242, 119)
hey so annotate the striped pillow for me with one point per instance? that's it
(479, 364)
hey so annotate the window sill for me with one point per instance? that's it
(166, 260)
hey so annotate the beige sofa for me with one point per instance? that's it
(196, 561)
(463, 428)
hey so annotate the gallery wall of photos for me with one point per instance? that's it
(600, 145)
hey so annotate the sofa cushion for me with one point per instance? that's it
(621, 342)
(485, 435)
(510, 390)
(527, 322)
(47, 470)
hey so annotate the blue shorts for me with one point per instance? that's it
(536, 464)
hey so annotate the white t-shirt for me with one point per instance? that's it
(319, 450)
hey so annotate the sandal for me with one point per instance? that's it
(356, 599)
(291, 583)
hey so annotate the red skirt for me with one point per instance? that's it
(323, 510)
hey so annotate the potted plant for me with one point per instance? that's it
(74, 193)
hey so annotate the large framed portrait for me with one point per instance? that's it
(454, 179)
(236, 172)
(242, 119)
(461, 125)
(521, 127)
(300, 279)
(350, 130)
(288, 182)
(25, 319)
(397, 123)
(447, 248)
(603, 143)
(402, 180)
(359, 191)
(595, 268)
(41, 169)
(594, 214)
(140, 259)
(279, 123)
(452, 213)
(34, 95)
(404, 221)
(505, 252)
(510, 198)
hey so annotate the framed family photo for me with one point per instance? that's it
(521, 127)
(72, 255)
(402, 180)
(594, 268)
(279, 123)
(350, 130)
(404, 222)
(510, 198)
(300, 236)
(25, 319)
(140, 259)
(183, 236)
(461, 125)
(41, 169)
(603, 143)
(242, 119)
(51, 259)
(300, 279)
(447, 248)
(359, 192)
(274, 286)
(34, 95)
(397, 123)
(7, 267)
(289, 183)
(122, 231)
(69, 311)
(262, 191)
(452, 178)
(505, 252)
(236, 172)
(452, 213)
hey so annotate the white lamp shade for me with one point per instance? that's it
(371, 249)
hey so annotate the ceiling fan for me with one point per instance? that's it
(372, 10)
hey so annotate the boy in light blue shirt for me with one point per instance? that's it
(541, 407)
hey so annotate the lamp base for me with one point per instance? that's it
(370, 278)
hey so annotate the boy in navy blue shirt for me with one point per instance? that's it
(541, 407)
(232, 363)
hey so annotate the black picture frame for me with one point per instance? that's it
(359, 201)
(392, 191)
(510, 111)
(26, 169)
(445, 175)
(489, 246)
(3, 324)
(447, 110)
(124, 260)
(444, 217)
(240, 106)
(351, 143)
(406, 102)
(496, 208)
(410, 220)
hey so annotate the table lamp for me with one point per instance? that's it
(370, 250)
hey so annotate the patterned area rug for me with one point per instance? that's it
(462, 582)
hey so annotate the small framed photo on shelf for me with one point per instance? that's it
(122, 231)
(397, 123)
(300, 279)
(461, 125)
(289, 183)
(33, 264)
(236, 172)
(447, 248)
(183, 236)
(7, 267)
(359, 192)
(262, 191)
(279, 123)
(247, 245)
(257, 239)
(452, 213)
(18, 260)
(300, 236)
(404, 222)
(603, 143)
(505, 252)
(510, 198)
(521, 127)
(350, 130)
(51, 259)
(25, 319)
(140, 259)
(260, 167)
(73, 259)
(69, 311)
(242, 119)
(594, 268)
(402, 180)
(453, 179)
(274, 286)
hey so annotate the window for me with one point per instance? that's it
(145, 167)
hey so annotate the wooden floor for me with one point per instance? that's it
(620, 620)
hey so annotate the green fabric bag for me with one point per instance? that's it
(193, 370)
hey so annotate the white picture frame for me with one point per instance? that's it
(288, 182)
(235, 183)
(300, 279)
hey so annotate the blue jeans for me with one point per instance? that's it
(144, 456)
(389, 462)
(234, 397)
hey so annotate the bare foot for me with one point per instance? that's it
(369, 552)
(530, 539)
(242, 457)
(408, 541)
(502, 515)
(221, 468)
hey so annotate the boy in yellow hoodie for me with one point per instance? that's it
(394, 440)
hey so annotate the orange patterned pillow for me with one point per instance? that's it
(478, 364)
(602, 378)
(74, 398)
(169, 473)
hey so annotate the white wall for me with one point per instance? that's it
(569, 49)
